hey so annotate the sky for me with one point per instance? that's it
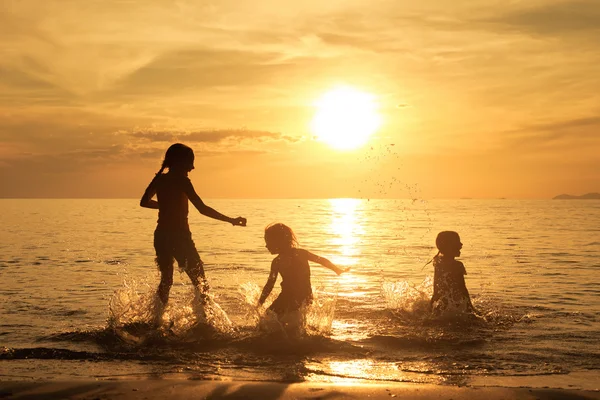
(477, 98)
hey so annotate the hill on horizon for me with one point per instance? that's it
(587, 196)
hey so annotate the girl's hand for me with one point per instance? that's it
(339, 271)
(239, 221)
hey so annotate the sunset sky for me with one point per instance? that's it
(477, 98)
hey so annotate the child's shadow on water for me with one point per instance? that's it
(268, 391)
(263, 391)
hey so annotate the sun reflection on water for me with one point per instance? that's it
(347, 371)
(345, 230)
(360, 371)
(345, 233)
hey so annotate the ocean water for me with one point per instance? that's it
(78, 281)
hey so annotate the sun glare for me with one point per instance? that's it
(345, 118)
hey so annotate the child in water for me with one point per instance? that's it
(449, 275)
(172, 237)
(292, 263)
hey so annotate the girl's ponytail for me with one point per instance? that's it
(160, 171)
(430, 261)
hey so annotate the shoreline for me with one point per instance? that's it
(155, 389)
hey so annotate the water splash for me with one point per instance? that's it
(319, 316)
(410, 304)
(133, 303)
(313, 319)
(136, 312)
(406, 297)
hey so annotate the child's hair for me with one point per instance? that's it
(445, 240)
(280, 236)
(442, 241)
(177, 153)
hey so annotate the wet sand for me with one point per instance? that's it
(190, 389)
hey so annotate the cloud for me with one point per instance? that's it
(561, 134)
(22, 27)
(555, 19)
(209, 136)
(189, 70)
(26, 85)
(85, 160)
(68, 161)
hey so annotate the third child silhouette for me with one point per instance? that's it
(449, 288)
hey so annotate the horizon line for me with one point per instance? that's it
(290, 198)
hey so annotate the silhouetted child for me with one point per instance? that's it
(449, 275)
(172, 237)
(292, 263)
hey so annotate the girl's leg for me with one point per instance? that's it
(166, 278)
(196, 274)
(189, 260)
(164, 260)
(279, 306)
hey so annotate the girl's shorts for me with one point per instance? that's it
(176, 245)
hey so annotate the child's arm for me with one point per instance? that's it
(325, 262)
(208, 211)
(270, 282)
(436, 285)
(146, 200)
(463, 288)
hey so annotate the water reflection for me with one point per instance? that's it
(346, 371)
(345, 234)
(359, 370)
(346, 229)
(348, 330)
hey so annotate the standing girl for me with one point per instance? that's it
(172, 237)
(292, 263)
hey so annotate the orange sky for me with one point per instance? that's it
(477, 98)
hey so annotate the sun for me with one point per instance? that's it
(345, 118)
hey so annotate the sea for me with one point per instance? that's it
(78, 283)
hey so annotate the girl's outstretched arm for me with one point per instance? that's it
(208, 211)
(270, 282)
(146, 200)
(325, 262)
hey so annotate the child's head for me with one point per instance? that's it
(279, 237)
(179, 156)
(448, 243)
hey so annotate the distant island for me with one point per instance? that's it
(587, 196)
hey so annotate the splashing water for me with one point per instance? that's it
(319, 316)
(196, 309)
(412, 304)
(135, 311)
(314, 319)
(129, 306)
(407, 298)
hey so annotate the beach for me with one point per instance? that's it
(176, 389)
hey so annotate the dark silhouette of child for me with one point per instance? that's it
(449, 287)
(292, 264)
(172, 237)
